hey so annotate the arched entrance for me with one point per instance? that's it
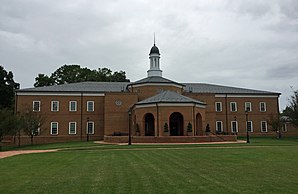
(176, 124)
(149, 124)
(199, 124)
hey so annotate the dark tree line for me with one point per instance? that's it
(7, 88)
(75, 73)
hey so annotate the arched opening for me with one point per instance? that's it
(199, 124)
(176, 124)
(149, 124)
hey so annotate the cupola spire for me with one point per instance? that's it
(154, 57)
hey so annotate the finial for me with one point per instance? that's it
(154, 38)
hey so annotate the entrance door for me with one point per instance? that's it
(176, 124)
(149, 124)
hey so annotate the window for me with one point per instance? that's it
(263, 126)
(54, 128)
(234, 126)
(72, 105)
(218, 107)
(262, 106)
(219, 126)
(249, 126)
(284, 127)
(90, 106)
(90, 127)
(72, 128)
(233, 106)
(36, 106)
(248, 106)
(55, 106)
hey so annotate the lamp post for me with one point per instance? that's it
(247, 134)
(87, 129)
(129, 128)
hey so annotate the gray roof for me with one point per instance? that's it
(82, 87)
(169, 97)
(100, 87)
(217, 89)
(155, 79)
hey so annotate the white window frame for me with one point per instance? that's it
(88, 106)
(265, 108)
(266, 126)
(220, 106)
(36, 101)
(245, 106)
(75, 108)
(236, 126)
(231, 109)
(52, 128)
(52, 106)
(75, 128)
(217, 130)
(91, 122)
(251, 124)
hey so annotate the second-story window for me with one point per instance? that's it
(72, 105)
(36, 106)
(248, 106)
(262, 107)
(218, 107)
(90, 106)
(55, 106)
(233, 106)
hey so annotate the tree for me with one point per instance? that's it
(75, 73)
(7, 121)
(292, 109)
(275, 123)
(31, 122)
(7, 89)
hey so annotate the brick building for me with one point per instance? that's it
(148, 109)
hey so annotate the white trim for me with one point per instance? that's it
(216, 126)
(251, 124)
(220, 107)
(170, 104)
(155, 84)
(92, 127)
(265, 127)
(52, 103)
(75, 130)
(69, 104)
(265, 107)
(250, 106)
(39, 104)
(245, 96)
(58, 94)
(90, 101)
(235, 106)
(232, 126)
(52, 128)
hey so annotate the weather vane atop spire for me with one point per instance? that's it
(154, 38)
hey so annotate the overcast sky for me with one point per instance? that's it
(247, 43)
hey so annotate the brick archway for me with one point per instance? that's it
(199, 124)
(149, 124)
(176, 124)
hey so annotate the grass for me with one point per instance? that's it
(265, 166)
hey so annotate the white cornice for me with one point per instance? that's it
(170, 105)
(156, 84)
(245, 96)
(58, 94)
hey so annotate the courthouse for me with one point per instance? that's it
(152, 109)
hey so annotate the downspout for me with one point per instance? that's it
(81, 116)
(157, 122)
(226, 102)
(15, 112)
(194, 121)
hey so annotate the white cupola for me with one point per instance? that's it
(154, 57)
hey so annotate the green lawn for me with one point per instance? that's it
(265, 166)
